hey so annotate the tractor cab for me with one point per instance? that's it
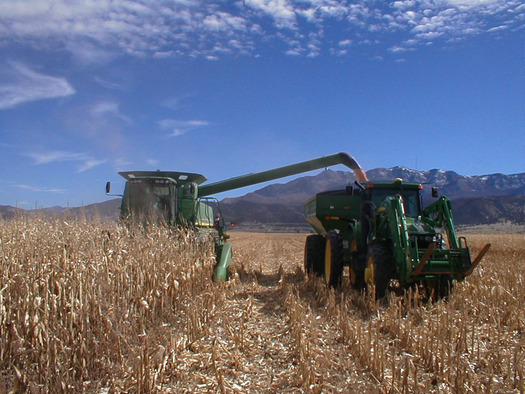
(376, 193)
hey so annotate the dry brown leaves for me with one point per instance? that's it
(98, 307)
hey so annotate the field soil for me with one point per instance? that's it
(273, 331)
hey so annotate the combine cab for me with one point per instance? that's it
(382, 233)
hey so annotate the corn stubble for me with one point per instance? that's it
(96, 307)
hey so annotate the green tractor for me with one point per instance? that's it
(387, 239)
(180, 199)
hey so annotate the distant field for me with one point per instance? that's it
(498, 228)
(97, 308)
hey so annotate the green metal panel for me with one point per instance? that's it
(224, 257)
(186, 209)
(332, 211)
(204, 215)
(345, 207)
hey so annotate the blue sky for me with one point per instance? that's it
(223, 88)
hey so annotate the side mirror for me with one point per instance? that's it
(108, 187)
(435, 192)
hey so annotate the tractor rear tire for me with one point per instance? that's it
(314, 254)
(380, 269)
(333, 260)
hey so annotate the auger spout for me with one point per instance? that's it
(281, 172)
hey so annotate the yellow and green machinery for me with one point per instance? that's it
(387, 239)
(380, 230)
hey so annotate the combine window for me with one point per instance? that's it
(150, 198)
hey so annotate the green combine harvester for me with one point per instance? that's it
(387, 239)
(181, 199)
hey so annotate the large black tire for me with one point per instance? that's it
(380, 269)
(314, 254)
(357, 274)
(333, 260)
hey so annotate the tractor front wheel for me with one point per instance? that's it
(379, 269)
(357, 274)
(333, 259)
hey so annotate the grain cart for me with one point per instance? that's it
(386, 238)
(180, 199)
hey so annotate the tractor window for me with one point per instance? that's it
(411, 203)
(410, 199)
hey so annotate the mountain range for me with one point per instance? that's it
(481, 199)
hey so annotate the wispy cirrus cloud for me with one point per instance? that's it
(85, 162)
(180, 127)
(90, 163)
(101, 122)
(20, 84)
(104, 110)
(40, 189)
(99, 31)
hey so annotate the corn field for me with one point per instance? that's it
(97, 307)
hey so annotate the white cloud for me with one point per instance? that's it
(294, 52)
(100, 31)
(104, 110)
(40, 189)
(20, 84)
(222, 21)
(47, 157)
(497, 28)
(176, 102)
(180, 127)
(333, 10)
(282, 11)
(399, 49)
(107, 84)
(90, 163)
(472, 3)
(54, 156)
(87, 53)
(121, 164)
(404, 4)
